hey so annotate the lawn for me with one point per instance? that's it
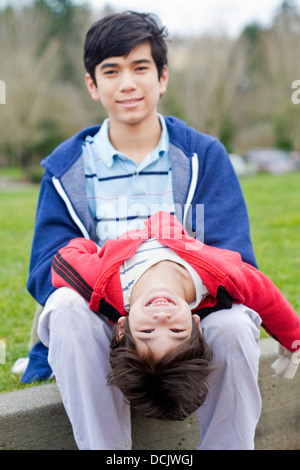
(274, 209)
(16, 305)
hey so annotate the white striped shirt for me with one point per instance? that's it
(122, 194)
(149, 253)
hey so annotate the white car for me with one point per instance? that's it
(273, 160)
(241, 166)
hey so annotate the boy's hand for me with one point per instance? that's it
(287, 362)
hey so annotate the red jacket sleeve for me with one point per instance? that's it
(279, 319)
(77, 265)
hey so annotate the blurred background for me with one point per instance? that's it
(231, 73)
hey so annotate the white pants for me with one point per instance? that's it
(78, 342)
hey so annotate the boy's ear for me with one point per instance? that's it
(197, 320)
(164, 80)
(92, 87)
(121, 325)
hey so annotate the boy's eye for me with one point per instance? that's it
(141, 68)
(174, 330)
(110, 72)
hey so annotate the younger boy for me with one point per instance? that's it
(160, 282)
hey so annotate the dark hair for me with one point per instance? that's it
(171, 388)
(118, 34)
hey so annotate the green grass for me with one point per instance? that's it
(16, 305)
(274, 210)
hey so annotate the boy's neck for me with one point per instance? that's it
(169, 273)
(135, 140)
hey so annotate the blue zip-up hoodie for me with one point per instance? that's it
(202, 174)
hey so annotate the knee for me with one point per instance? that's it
(65, 299)
(238, 326)
(234, 339)
(64, 304)
(69, 318)
(64, 308)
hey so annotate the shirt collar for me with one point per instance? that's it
(108, 152)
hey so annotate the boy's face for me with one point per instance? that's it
(128, 87)
(160, 320)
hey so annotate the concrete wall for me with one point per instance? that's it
(35, 418)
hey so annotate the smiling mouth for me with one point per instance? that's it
(158, 301)
(133, 100)
(130, 102)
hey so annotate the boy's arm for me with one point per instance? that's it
(54, 228)
(279, 319)
(77, 265)
(226, 221)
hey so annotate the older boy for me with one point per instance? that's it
(101, 182)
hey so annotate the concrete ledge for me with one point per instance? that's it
(35, 418)
(279, 425)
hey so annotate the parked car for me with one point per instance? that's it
(273, 160)
(296, 156)
(241, 166)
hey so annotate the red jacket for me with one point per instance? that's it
(96, 276)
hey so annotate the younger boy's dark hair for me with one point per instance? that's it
(171, 388)
(118, 34)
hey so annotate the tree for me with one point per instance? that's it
(41, 109)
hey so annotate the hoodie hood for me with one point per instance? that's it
(66, 154)
(190, 141)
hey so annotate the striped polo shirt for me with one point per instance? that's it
(121, 194)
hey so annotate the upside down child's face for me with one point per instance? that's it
(159, 320)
